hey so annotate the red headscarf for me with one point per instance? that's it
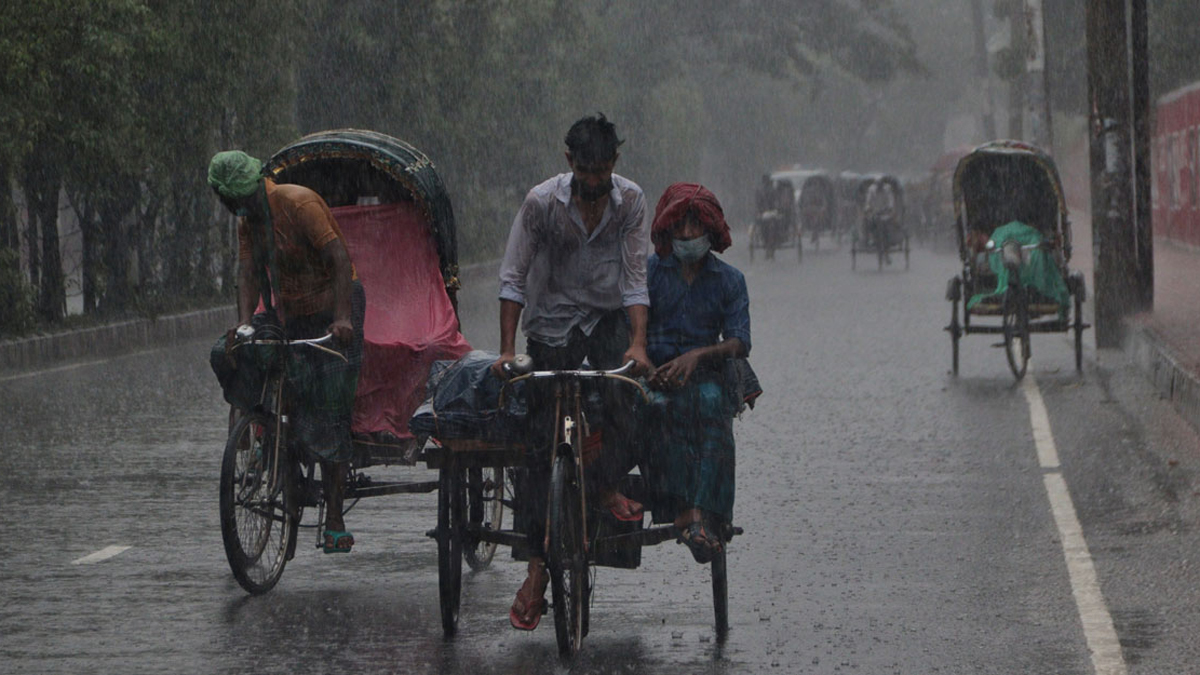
(680, 199)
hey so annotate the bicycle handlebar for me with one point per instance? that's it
(543, 374)
(523, 361)
(315, 343)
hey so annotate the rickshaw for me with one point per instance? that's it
(882, 233)
(579, 535)
(816, 203)
(776, 225)
(1012, 226)
(391, 206)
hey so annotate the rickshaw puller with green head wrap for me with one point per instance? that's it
(292, 254)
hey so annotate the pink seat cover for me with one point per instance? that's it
(409, 322)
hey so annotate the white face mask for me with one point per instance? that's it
(690, 250)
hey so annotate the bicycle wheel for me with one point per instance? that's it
(720, 588)
(451, 495)
(1016, 333)
(259, 513)
(485, 511)
(566, 558)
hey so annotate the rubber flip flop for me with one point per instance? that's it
(625, 501)
(535, 607)
(337, 541)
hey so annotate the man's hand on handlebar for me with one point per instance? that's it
(641, 362)
(342, 331)
(498, 368)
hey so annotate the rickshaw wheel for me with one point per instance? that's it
(567, 557)
(259, 511)
(906, 251)
(1016, 334)
(853, 251)
(720, 587)
(485, 511)
(451, 493)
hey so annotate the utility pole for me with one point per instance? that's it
(1119, 148)
(982, 71)
(1037, 90)
(1016, 87)
(1140, 114)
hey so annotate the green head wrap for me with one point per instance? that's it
(234, 174)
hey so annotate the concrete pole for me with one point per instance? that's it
(1113, 240)
(982, 71)
(1140, 114)
(1037, 97)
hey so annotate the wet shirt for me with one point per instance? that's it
(715, 307)
(565, 277)
(303, 225)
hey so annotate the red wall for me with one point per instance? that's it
(1175, 191)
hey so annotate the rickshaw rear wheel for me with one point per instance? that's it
(258, 506)
(485, 511)
(853, 251)
(566, 558)
(451, 494)
(906, 251)
(1016, 334)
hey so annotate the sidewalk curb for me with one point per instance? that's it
(113, 339)
(1173, 382)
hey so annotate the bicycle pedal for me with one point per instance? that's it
(999, 345)
(432, 534)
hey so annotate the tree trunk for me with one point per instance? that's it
(116, 253)
(91, 256)
(32, 238)
(42, 185)
(9, 234)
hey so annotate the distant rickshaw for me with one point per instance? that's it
(776, 224)
(881, 230)
(817, 206)
(1014, 241)
(849, 186)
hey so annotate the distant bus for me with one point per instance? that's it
(1175, 189)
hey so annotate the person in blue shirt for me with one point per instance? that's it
(699, 319)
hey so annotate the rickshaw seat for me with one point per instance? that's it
(410, 321)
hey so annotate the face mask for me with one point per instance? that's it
(591, 194)
(690, 250)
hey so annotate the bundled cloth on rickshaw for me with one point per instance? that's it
(1038, 271)
(464, 401)
(410, 322)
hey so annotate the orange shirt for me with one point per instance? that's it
(303, 226)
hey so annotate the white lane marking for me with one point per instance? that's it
(1098, 627)
(1042, 438)
(103, 554)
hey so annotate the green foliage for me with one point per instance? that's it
(124, 101)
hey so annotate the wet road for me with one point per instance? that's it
(897, 520)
